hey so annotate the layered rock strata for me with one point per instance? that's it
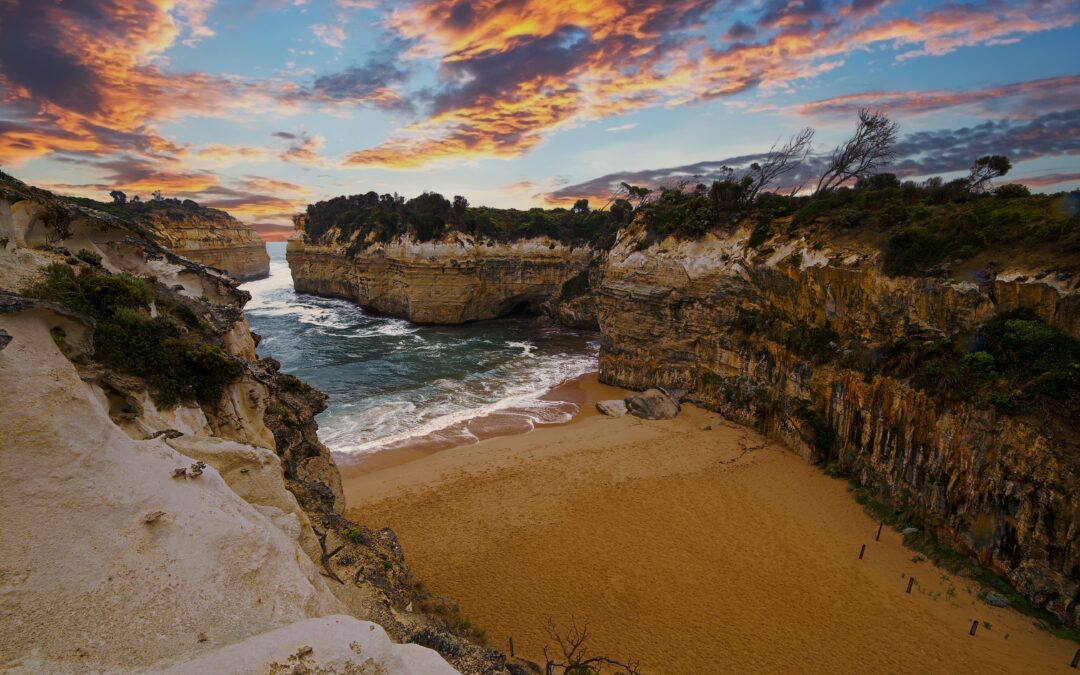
(451, 281)
(999, 486)
(210, 237)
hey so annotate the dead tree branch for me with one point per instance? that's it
(861, 155)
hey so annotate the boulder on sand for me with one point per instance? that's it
(612, 408)
(652, 404)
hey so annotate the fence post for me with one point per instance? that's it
(910, 583)
(511, 646)
(974, 627)
(862, 551)
(879, 526)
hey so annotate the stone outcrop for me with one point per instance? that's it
(210, 237)
(206, 537)
(451, 281)
(652, 404)
(998, 486)
(612, 408)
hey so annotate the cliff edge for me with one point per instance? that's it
(166, 488)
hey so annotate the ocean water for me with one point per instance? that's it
(391, 382)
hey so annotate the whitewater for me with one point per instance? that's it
(391, 382)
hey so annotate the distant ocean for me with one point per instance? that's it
(391, 382)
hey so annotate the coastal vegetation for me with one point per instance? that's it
(171, 351)
(431, 215)
(919, 227)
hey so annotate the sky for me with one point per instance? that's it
(261, 107)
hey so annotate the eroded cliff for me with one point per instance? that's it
(166, 487)
(456, 279)
(209, 237)
(807, 339)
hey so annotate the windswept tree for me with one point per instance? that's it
(574, 657)
(634, 193)
(778, 163)
(870, 148)
(118, 197)
(986, 169)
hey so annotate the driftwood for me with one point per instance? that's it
(327, 556)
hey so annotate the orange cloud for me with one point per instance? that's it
(515, 72)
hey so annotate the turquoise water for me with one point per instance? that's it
(390, 381)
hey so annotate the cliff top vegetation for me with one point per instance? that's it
(788, 192)
(175, 352)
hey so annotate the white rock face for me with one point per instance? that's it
(88, 584)
(333, 644)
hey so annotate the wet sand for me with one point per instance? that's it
(692, 551)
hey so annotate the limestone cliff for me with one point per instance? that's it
(201, 535)
(209, 237)
(453, 280)
(784, 338)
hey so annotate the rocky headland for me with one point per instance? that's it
(454, 280)
(210, 237)
(166, 487)
(204, 235)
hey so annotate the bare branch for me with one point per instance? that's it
(861, 155)
(575, 659)
(778, 163)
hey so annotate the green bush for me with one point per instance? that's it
(761, 232)
(127, 339)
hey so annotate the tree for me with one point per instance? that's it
(575, 653)
(580, 206)
(778, 163)
(136, 200)
(118, 197)
(861, 155)
(985, 169)
(632, 192)
(461, 205)
(156, 195)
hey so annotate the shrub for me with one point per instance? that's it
(127, 339)
(1012, 191)
(980, 365)
(760, 234)
(353, 534)
(88, 257)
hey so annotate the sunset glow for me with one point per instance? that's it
(260, 108)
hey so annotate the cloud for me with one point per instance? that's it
(623, 127)
(1017, 99)
(332, 35)
(303, 149)
(511, 73)
(272, 232)
(1048, 180)
(919, 154)
(87, 76)
(378, 82)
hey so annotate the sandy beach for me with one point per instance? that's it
(690, 550)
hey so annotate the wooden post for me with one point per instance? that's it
(910, 583)
(550, 668)
(862, 551)
(974, 627)
(879, 526)
(1076, 659)
(511, 646)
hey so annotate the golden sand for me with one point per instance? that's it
(692, 551)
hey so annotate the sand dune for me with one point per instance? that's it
(693, 551)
